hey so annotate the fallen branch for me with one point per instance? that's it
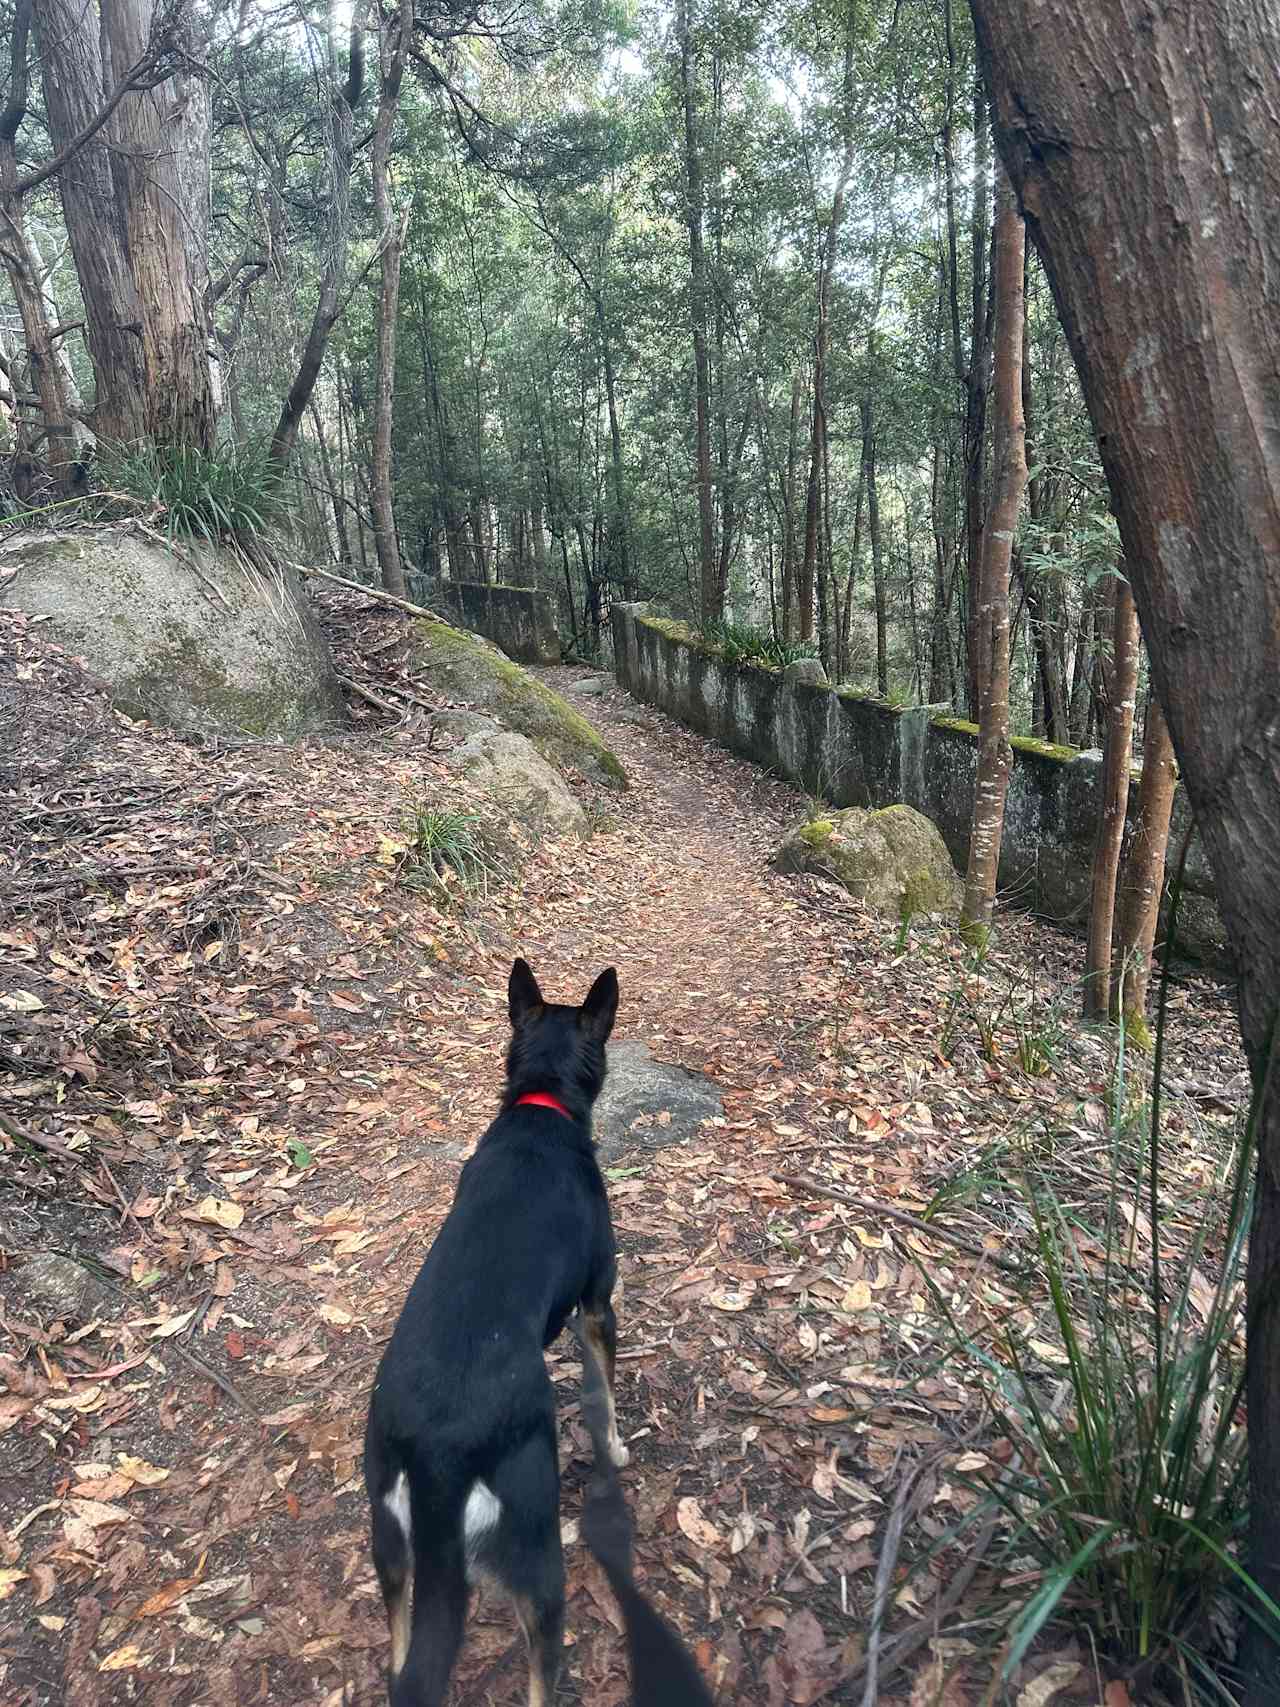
(885, 1569)
(369, 696)
(932, 1229)
(369, 592)
(24, 1135)
(899, 1649)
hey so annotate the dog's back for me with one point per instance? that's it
(460, 1448)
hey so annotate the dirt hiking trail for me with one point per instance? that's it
(263, 1057)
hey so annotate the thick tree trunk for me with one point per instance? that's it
(159, 163)
(1145, 145)
(992, 630)
(1114, 804)
(1142, 881)
(144, 311)
(712, 607)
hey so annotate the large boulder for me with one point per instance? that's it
(518, 779)
(894, 860)
(191, 637)
(463, 667)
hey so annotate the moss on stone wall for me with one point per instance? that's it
(961, 725)
(1044, 749)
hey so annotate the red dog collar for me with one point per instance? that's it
(542, 1099)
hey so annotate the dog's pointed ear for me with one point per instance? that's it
(598, 1012)
(524, 998)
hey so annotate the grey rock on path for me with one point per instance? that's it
(516, 776)
(648, 1104)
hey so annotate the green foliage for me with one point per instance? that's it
(739, 643)
(233, 492)
(299, 1155)
(1128, 1480)
(447, 845)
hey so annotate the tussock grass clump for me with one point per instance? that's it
(1124, 1487)
(446, 846)
(231, 493)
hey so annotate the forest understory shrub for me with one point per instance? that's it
(740, 643)
(1119, 1473)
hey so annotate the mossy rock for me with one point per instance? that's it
(893, 861)
(464, 667)
(187, 638)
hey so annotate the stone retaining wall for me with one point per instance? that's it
(853, 750)
(521, 620)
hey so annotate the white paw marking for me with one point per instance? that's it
(619, 1454)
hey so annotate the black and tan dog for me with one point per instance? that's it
(460, 1450)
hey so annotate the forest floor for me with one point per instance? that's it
(240, 1060)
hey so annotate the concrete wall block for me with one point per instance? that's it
(854, 750)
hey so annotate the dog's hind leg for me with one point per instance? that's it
(524, 1555)
(393, 1561)
(596, 1327)
(439, 1612)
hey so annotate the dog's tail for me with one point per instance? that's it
(663, 1672)
(419, 1549)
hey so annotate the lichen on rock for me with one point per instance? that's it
(894, 860)
(462, 667)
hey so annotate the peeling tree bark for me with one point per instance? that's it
(992, 627)
(128, 184)
(1144, 142)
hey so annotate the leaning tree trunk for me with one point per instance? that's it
(1166, 274)
(1143, 879)
(1114, 804)
(992, 629)
(344, 97)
